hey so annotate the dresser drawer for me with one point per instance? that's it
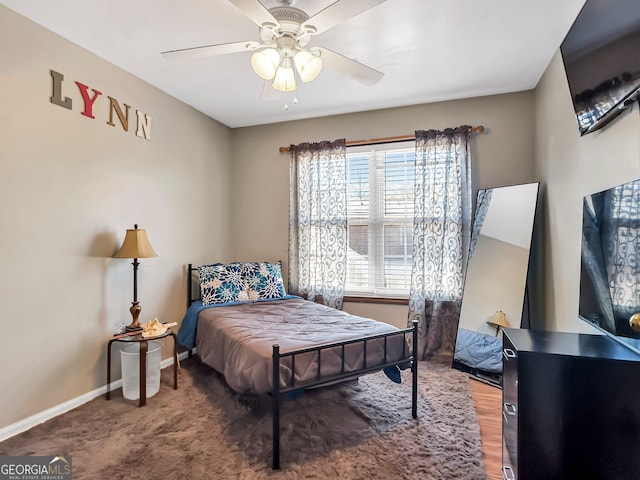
(508, 471)
(509, 410)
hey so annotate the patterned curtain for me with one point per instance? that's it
(318, 222)
(484, 199)
(620, 230)
(441, 231)
(593, 273)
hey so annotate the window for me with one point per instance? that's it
(380, 219)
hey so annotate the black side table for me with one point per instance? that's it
(138, 338)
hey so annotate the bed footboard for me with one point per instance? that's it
(278, 392)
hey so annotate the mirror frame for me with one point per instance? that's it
(481, 341)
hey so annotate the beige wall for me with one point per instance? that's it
(69, 187)
(573, 166)
(503, 155)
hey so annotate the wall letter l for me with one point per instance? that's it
(56, 98)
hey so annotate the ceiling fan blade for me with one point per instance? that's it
(210, 50)
(348, 66)
(256, 12)
(339, 12)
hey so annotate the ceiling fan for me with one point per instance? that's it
(285, 32)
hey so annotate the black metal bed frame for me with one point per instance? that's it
(277, 393)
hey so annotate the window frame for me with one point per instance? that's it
(378, 219)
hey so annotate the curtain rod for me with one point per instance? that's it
(375, 141)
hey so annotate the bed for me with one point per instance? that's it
(283, 345)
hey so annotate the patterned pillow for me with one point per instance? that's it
(263, 280)
(221, 283)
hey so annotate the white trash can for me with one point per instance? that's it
(130, 361)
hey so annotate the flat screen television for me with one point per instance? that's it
(601, 55)
(610, 265)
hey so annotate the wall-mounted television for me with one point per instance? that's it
(601, 55)
(610, 262)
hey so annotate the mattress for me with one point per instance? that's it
(237, 341)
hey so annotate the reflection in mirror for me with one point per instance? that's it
(609, 286)
(495, 284)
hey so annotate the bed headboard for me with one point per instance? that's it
(193, 285)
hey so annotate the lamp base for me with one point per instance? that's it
(135, 313)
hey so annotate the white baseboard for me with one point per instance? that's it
(23, 425)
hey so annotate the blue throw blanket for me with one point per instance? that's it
(478, 350)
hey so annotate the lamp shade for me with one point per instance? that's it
(498, 320)
(265, 63)
(308, 65)
(136, 245)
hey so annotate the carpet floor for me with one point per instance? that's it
(204, 430)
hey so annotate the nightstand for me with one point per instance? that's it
(138, 338)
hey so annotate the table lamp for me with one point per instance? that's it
(136, 245)
(498, 320)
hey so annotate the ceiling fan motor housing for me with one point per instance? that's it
(289, 14)
(290, 20)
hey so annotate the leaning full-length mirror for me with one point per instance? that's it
(495, 284)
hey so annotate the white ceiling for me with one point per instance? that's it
(429, 50)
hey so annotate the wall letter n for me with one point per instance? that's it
(144, 125)
(123, 117)
(88, 102)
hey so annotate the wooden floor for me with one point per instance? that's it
(488, 401)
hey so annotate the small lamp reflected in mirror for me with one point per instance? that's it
(136, 245)
(499, 320)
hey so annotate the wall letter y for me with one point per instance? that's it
(88, 102)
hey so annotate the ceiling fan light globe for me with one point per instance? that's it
(265, 63)
(307, 65)
(285, 79)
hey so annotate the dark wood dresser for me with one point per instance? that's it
(571, 407)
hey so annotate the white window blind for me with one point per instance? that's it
(380, 219)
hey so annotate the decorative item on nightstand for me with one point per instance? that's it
(136, 245)
(499, 320)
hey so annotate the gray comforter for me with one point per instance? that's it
(237, 341)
